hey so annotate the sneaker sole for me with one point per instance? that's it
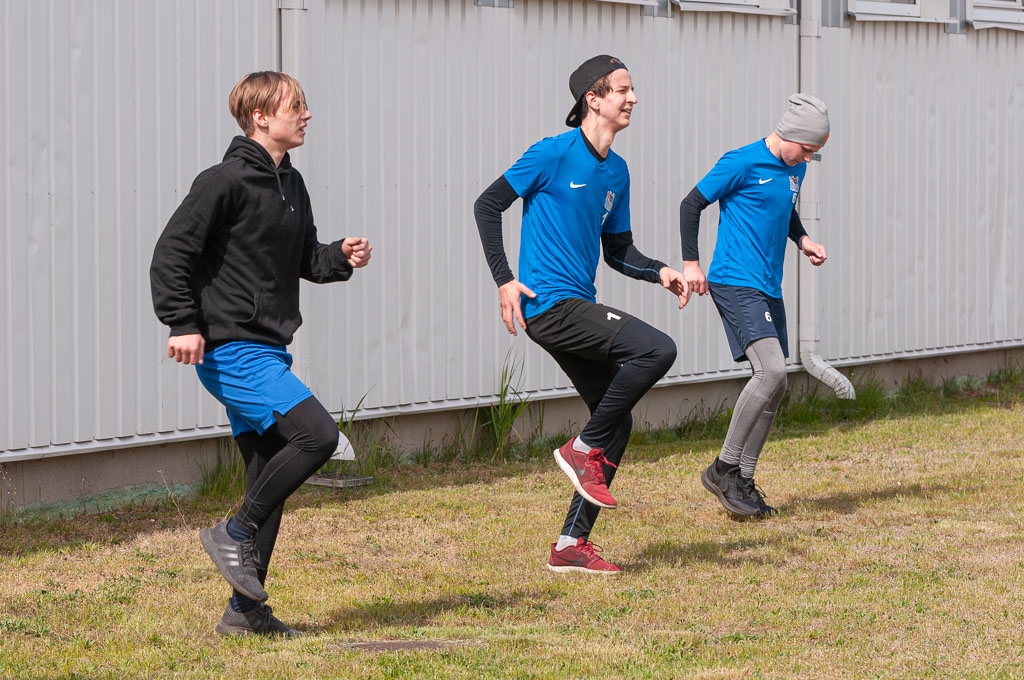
(713, 488)
(225, 629)
(210, 546)
(582, 570)
(238, 631)
(571, 474)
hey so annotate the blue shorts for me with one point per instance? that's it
(748, 315)
(253, 381)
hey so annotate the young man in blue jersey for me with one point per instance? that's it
(225, 278)
(575, 193)
(756, 187)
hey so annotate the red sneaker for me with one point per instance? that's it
(581, 557)
(584, 470)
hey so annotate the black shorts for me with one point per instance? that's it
(579, 327)
(749, 314)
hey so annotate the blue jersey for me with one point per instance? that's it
(569, 199)
(756, 194)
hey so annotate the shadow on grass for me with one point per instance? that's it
(726, 553)
(752, 550)
(848, 502)
(386, 612)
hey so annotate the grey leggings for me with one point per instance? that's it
(756, 406)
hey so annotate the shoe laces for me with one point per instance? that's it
(250, 553)
(588, 548)
(755, 490)
(594, 461)
(265, 616)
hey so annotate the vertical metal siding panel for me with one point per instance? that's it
(38, 281)
(104, 138)
(82, 126)
(123, 350)
(145, 216)
(6, 256)
(62, 218)
(16, 187)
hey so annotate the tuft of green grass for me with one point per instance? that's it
(498, 434)
(226, 479)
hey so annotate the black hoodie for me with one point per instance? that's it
(229, 260)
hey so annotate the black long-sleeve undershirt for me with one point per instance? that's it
(487, 210)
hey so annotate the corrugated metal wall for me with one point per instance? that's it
(920, 189)
(414, 118)
(111, 108)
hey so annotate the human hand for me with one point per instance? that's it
(694, 276)
(815, 252)
(676, 283)
(356, 251)
(186, 349)
(508, 297)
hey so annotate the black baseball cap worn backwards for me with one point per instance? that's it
(588, 73)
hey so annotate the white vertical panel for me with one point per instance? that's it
(17, 335)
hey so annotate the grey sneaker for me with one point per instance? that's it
(755, 496)
(235, 560)
(727, 488)
(260, 621)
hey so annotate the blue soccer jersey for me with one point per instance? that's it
(569, 199)
(756, 194)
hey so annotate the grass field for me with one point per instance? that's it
(899, 553)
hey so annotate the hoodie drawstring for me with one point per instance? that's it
(280, 189)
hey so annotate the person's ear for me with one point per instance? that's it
(259, 118)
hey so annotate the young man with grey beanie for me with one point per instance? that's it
(756, 187)
(575, 193)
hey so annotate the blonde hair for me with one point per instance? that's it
(261, 90)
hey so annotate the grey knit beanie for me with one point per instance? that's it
(805, 121)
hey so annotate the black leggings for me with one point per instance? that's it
(279, 461)
(612, 365)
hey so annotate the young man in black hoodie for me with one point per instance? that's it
(225, 278)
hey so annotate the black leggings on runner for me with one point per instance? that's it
(285, 456)
(638, 355)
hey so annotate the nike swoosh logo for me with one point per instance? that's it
(573, 185)
(765, 181)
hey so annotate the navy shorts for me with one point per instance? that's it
(253, 381)
(748, 315)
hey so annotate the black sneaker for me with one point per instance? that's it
(235, 560)
(726, 487)
(259, 621)
(755, 495)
